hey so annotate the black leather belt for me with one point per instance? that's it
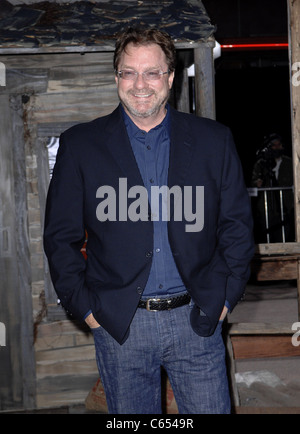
(155, 304)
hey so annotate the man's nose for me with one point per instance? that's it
(140, 81)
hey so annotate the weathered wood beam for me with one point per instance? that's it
(205, 80)
(294, 55)
(252, 328)
(182, 92)
(254, 347)
(275, 268)
(278, 249)
(100, 48)
(24, 295)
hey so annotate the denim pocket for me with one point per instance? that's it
(95, 329)
(191, 304)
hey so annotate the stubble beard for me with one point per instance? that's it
(154, 110)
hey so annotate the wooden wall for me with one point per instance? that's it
(44, 95)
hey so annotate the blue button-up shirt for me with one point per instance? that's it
(151, 151)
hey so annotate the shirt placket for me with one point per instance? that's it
(152, 149)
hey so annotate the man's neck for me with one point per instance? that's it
(146, 124)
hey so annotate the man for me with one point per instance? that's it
(160, 274)
(273, 169)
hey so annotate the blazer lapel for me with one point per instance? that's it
(181, 150)
(120, 148)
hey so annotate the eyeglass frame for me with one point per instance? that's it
(136, 74)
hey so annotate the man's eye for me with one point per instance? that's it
(152, 74)
(128, 74)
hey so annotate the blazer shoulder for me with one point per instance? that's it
(91, 129)
(199, 122)
(201, 131)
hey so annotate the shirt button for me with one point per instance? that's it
(157, 250)
(161, 286)
(149, 148)
(152, 180)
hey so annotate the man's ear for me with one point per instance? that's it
(171, 79)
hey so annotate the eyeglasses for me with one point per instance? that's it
(147, 75)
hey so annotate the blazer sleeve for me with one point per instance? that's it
(64, 233)
(235, 228)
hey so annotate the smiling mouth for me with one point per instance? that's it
(143, 95)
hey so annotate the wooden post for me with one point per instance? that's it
(11, 355)
(205, 80)
(294, 55)
(23, 294)
(182, 92)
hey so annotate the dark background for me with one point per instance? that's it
(252, 86)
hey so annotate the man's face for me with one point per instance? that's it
(142, 98)
(276, 145)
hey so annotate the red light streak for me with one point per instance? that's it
(245, 46)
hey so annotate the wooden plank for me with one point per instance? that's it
(58, 49)
(57, 62)
(59, 328)
(64, 389)
(100, 48)
(275, 268)
(73, 106)
(249, 347)
(82, 75)
(266, 410)
(19, 81)
(278, 249)
(66, 367)
(260, 328)
(205, 81)
(84, 352)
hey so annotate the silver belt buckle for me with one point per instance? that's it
(148, 304)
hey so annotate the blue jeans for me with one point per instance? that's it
(131, 373)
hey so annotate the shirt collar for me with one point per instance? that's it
(133, 129)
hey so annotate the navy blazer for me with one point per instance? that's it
(213, 262)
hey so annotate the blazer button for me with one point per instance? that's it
(139, 290)
(149, 254)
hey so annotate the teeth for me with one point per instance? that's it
(143, 96)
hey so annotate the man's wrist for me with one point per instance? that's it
(91, 321)
(224, 313)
